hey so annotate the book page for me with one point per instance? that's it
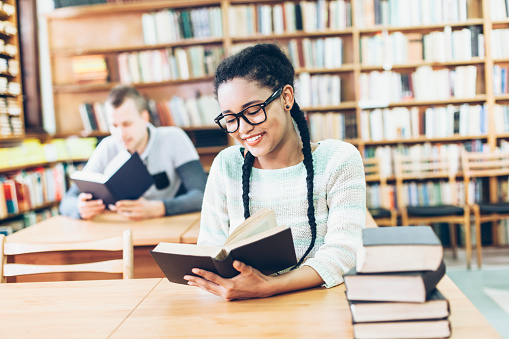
(187, 249)
(257, 223)
(118, 161)
(89, 176)
(241, 241)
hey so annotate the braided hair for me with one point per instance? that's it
(268, 66)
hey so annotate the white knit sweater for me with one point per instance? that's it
(339, 199)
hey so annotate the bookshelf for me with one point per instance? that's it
(444, 47)
(11, 96)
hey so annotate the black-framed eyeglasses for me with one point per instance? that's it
(253, 115)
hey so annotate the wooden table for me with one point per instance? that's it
(156, 308)
(146, 235)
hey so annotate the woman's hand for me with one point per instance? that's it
(250, 283)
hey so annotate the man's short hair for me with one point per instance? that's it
(120, 93)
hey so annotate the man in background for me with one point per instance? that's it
(167, 152)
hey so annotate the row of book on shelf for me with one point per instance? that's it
(388, 153)
(332, 125)
(26, 190)
(398, 48)
(10, 117)
(33, 152)
(412, 13)
(198, 111)
(169, 25)
(289, 17)
(29, 218)
(499, 9)
(148, 66)
(499, 50)
(433, 122)
(378, 89)
(392, 290)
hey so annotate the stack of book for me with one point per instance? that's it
(392, 291)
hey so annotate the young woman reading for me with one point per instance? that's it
(318, 190)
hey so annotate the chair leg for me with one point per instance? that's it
(468, 238)
(478, 245)
(494, 233)
(454, 243)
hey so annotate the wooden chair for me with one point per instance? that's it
(122, 243)
(409, 168)
(487, 165)
(383, 216)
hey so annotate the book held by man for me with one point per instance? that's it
(257, 242)
(399, 249)
(128, 182)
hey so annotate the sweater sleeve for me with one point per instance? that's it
(214, 214)
(193, 179)
(346, 201)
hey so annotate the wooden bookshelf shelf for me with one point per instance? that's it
(288, 36)
(7, 56)
(17, 168)
(502, 97)
(373, 105)
(113, 50)
(106, 9)
(473, 61)
(499, 61)
(343, 106)
(454, 138)
(423, 28)
(344, 68)
(36, 208)
(76, 88)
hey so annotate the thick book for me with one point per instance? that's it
(440, 328)
(436, 306)
(399, 249)
(128, 182)
(392, 286)
(257, 242)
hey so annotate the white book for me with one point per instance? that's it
(415, 121)
(289, 10)
(193, 112)
(278, 19)
(375, 121)
(365, 126)
(149, 29)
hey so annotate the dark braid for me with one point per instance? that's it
(268, 66)
(302, 124)
(246, 173)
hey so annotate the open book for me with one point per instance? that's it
(128, 182)
(257, 242)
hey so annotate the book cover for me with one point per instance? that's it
(393, 249)
(392, 286)
(114, 188)
(436, 306)
(403, 329)
(258, 242)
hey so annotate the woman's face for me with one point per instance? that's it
(262, 139)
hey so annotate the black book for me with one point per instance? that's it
(436, 306)
(395, 286)
(475, 31)
(129, 182)
(298, 17)
(399, 249)
(257, 242)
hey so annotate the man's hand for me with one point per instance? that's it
(89, 208)
(140, 209)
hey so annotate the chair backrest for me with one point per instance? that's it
(372, 171)
(122, 243)
(483, 164)
(408, 168)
